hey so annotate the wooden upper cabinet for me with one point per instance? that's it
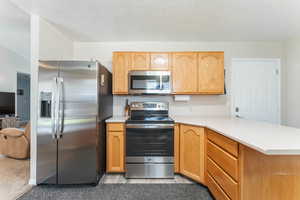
(192, 72)
(211, 73)
(185, 72)
(159, 61)
(121, 66)
(192, 152)
(140, 61)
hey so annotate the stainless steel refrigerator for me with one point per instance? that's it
(75, 98)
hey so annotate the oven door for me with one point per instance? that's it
(150, 141)
(149, 82)
(149, 151)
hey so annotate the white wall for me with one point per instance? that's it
(47, 42)
(10, 64)
(291, 87)
(199, 105)
(53, 44)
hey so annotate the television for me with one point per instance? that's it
(7, 103)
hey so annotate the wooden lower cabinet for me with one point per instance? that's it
(215, 188)
(229, 145)
(222, 166)
(115, 149)
(224, 181)
(230, 170)
(268, 177)
(223, 159)
(192, 152)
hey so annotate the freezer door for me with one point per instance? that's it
(46, 142)
(77, 122)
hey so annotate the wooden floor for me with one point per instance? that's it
(120, 179)
(14, 176)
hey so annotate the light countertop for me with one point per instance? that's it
(113, 119)
(266, 138)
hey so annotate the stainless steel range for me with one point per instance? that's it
(149, 141)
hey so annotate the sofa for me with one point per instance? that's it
(15, 143)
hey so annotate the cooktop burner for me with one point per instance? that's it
(150, 120)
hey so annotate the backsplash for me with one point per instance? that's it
(199, 105)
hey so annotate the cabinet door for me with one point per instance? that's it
(159, 61)
(176, 149)
(121, 66)
(140, 61)
(211, 73)
(185, 73)
(115, 152)
(192, 152)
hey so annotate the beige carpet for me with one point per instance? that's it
(14, 176)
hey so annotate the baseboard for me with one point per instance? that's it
(32, 182)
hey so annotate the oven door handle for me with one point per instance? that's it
(153, 126)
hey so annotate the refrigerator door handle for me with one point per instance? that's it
(53, 108)
(102, 80)
(61, 107)
(57, 98)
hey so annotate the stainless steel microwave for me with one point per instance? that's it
(150, 82)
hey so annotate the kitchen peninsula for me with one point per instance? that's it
(237, 158)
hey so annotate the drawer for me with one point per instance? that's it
(149, 171)
(115, 127)
(224, 180)
(225, 160)
(224, 142)
(215, 189)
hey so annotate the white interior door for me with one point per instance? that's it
(256, 89)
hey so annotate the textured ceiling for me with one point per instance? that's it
(171, 20)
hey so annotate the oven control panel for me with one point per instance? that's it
(149, 106)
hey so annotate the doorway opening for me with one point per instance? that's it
(256, 89)
(23, 98)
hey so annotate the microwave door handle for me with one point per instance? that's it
(160, 82)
